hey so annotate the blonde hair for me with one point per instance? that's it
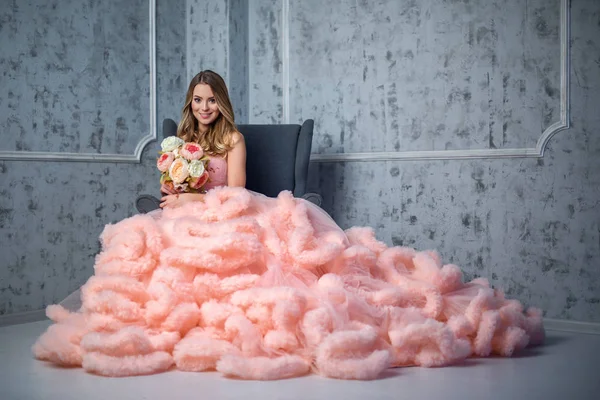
(217, 140)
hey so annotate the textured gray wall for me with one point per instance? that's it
(217, 39)
(75, 79)
(437, 75)
(265, 50)
(427, 75)
(238, 65)
(58, 61)
(418, 81)
(208, 36)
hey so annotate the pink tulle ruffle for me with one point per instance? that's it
(271, 288)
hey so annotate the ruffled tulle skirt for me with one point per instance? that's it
(269, 288)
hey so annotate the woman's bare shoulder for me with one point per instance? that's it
(235, 137)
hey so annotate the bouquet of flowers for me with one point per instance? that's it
(183, 165)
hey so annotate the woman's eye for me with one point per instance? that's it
(213, 101)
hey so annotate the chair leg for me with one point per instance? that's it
(146, 203)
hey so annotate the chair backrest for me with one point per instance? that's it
(277, 156)
(270, 157)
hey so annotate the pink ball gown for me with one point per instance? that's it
(270, 288)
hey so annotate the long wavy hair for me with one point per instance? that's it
(217, 139)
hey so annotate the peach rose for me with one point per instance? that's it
(164, 161)
(197, 183)
(191, 151)
(179, 170)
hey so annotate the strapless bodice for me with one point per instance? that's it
(217, 172)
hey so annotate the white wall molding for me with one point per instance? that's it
(565, 89)
(425, 155)
(285, 59)
(563, 325)
(22, 317)
(98, 157)
(227, 72)
(188, 40)
(415, 155)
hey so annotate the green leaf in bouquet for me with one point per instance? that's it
(164, 177)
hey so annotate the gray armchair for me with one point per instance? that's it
(277, 159)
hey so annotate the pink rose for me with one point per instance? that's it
(164, 161)
(197, 183)
(179, 170)
(191, 151)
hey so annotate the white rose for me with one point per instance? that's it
(181, 187)
(196, 168)
(171, 143)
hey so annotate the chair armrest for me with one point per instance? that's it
(146, 203)
(303, 157)
(314, 198)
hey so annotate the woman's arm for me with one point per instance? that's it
(236, 161)
(175, 200)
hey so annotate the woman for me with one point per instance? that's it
(207, 118)
(269, 288)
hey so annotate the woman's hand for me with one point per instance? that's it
(168, 189)
(178, 199)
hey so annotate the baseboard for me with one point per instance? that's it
(563, 325)
(22, 317)
(551, 324)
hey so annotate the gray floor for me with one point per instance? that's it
(567, 367)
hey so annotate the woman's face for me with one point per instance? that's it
(204, 105)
